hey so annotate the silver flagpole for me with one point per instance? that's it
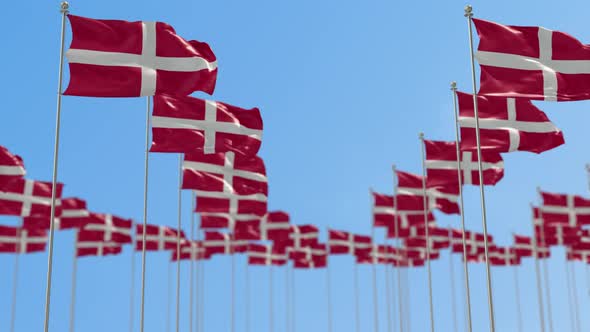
(328, 291)
(452, 275)
(287, 300)
(408, 300)
(357, 318)
(202, 296)
(375, 294)
(192, 265)
(397, 240)
(425, 201)
(469, 15)
(145, 213)
(64, 9)
(387, 291)
(575, 294)
(517, 293)
(294, 304)
(247, 296)
(14, 288)
(538, 274)
(462, 211)
(74, 277)
(169, 298)
(569, 298)
(232, 323)
(132, 281)
(270, 300)
(546, 276)
(179, 226)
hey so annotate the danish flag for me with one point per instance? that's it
(157, 238)
(340, 242)
(73, 215)
(411, 262)
(474, 242)
(22, 240)
(186, 124)
(310, 257)
(300, 236)
(223, 243)
(274, 226)
(565, 209)
(259, 254)
(503, 256)
(190, 250)
(112, 58)
(524, 247)
(558, 235)
(506, 125)
(88, 245)
(108, 228)
(11, 166)
(409, 187)
(385, 214)
(27, 198)
(441, 165)
(531, 63)
(438, 238)
(578, 255)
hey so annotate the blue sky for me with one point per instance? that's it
(344, 88)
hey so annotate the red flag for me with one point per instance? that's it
(341, 242)
(273, 226)
(386, 215)
(222, 243)
(259, 254)
(532, 63)
(11, 166)
(301, 236)
(443, 198)
(506, 125)
(565, 209)
(503, 256)
(108, 228)
(441, 165)
(475, 242)
(73, 215)
(578, 255)
(157, 238)
(88, 245)
(557, 235)
(186, 124)
(190, 250)
(28, 198)
(112, 58)
(21, 240)
(438, 238)
(524, 247)
(310, 257)
(419, 253)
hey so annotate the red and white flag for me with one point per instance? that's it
(74, 214)
(22, 240)
(27, 198)
(444, 198)
(525, 247)
(532, 63)
(88, 245)
(11, 166)
(475, 242)
(419, 253)
(565, 209)
(108, 228)
(506, 125)
(300, 236)
(411, 262)
(259, 254)
(223, 243)
(340, 242)
(386, 215)
(157, 238)
(503, 256)
(190, 250)
(578, 255)
(187, 124)
(113, 58)
(310, 257)
(441, 165)
(274, 226)
(558, 235)
(438, 238)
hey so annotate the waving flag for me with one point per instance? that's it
(341, 242)
(259, 254)
(112, 58)
(565, 209)
(73, 215)
(506, 125)
(524, 247)
(223, 243)
(310, 257)
(22, 240)
(108, 228)
(442, 198)
(11, 166)
(531, 63)
(190, 250)
(274, 226)
(441, 165)
(157, 238)
(503, 256)
(300, 236)
(385, 214)
(88, 245)
(438, 238)
(28, 198)
(474, 242)
(558, 235)
(187, 124)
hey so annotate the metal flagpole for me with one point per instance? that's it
(452, 275)
(357, 318)
(232, 323)
(546, 276)
(469, 15)
(462, 211)
(64, 9)
(202, 303)
(517, 293)
(145, 211)
(14, 288)
(374, 269)
(575, 294)
(178, 238)
(328, 291)
(397, 240)
(407, 300)
(425, 201)
(193, 257)
(287, 300)
(132, 281)
(569, 298)
(270, 300)
(247, 296)
(294, 304)
(387, 292)
(169, 297)
(74, 277)
(538, 274)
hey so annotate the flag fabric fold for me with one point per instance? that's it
(28, 198)
(11, 166)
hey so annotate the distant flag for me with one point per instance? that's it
(300, 236)
(558, 235)
(113, 58)
(27, 198)
(190, 250)
(187, 124)
(88, 245)
(108, 228)
(531, 63)
(474, 242)
(274, 226)
(74, 214)
(385, 214)
(438, 238)
(443, 198)
(341, 242)
(21, 240)
(506, 125)
(310, 257)
(266, 254)
(565, 209)
(157, 238)
(503, 256)
(11, 166)
(525, 247)
(223, 243)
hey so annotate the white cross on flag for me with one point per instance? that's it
(113, 58)
(532, 63)
(386, 215)
(266, 254)
(524, 247)
(503, 256)
(190, 250)
(506, 125)
(310, 257)
(558, 235)
(341, 242)
(187, 124)
(410, 191)
(441, 165)
(565, 209)
(438, 238)
(108, 228)
(223, 243)
(301, 236)
(21, 240)
(474, 242)
(274, 226)
(157, 238)
(574, 254)
(88, 245)
(11, 166)
(27, 198)
(73, 215)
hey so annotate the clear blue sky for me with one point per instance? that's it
(344, 88)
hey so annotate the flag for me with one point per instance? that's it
(259, 254)
(438, 238)
(11, 166)
(578, 255)
(503, 256)
(22, 240)
(506, 125)
(420, 253)
(310, 257)
(74, 214)
(385, 214)
(108, 228)
(274, 226)
(187, 124)
(441, 165)
(557, 235)
(88, 245)
(474, 242)
(27, 198)
(157, 238)
(524, 247)
(112, 58)
(223, 243)
(443, 198)
(190, 250)
(565, 209)
(300, 236)
(340, 242)
(531, 63)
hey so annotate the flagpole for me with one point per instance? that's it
(132, 281)
(233, 288)
(169, 297)
(64, 9)
(452, 275)
(357, 318)
(374, 269)
(424, 200)
(192, 264)
(575, 293)
(14, 289)
(179, 226)
(388, 291)
(517, 293)
(328, 290)
(247, 296)
(538, 273)
(270, 300)
(408, 299)
(145, 214)
(569, 297)
(202, 303)
(294, 305)
(397, 240)
(546, 275)
(73, 294)
(462, 211)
